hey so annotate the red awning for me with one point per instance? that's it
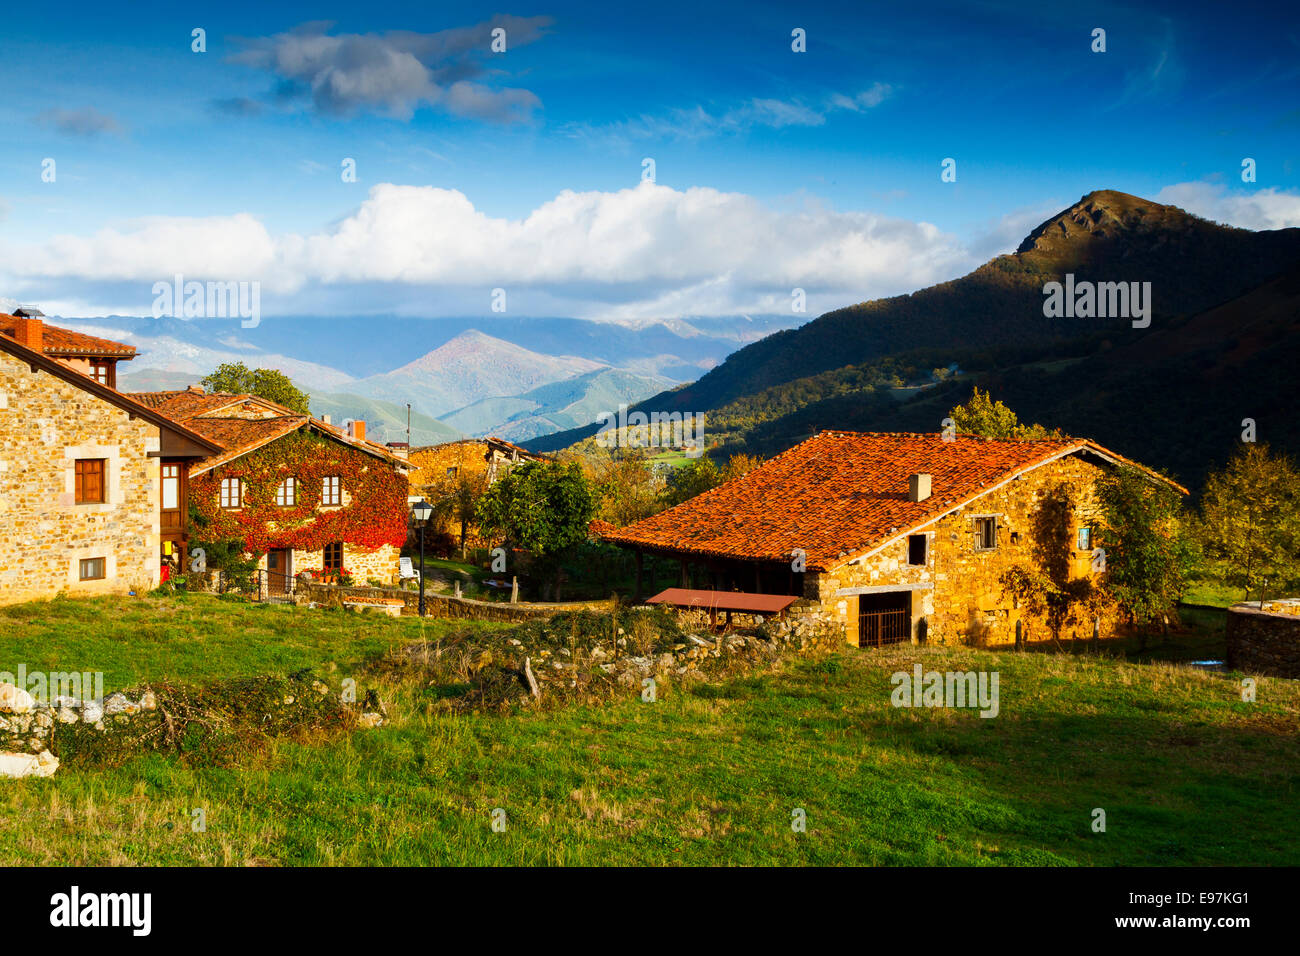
(725, 600)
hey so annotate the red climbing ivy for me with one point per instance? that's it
(375, 516)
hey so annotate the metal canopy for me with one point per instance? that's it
(724, 600)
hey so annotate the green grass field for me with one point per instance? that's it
(1186, 772)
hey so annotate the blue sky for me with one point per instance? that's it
(521, 170)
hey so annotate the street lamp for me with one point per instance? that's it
(420, 514)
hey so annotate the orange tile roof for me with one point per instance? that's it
(843, 494)
(186, 404)
(238, 436)
(65, 342)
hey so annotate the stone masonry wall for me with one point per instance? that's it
(957, 591)
(45, 425)
(441, 605)
(1264, 641)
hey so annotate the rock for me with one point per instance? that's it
(116, 704)
(28, 765)
(288, 700)
(15, 700)
(319, 688)
(148, 701)
(67, 715)
(92, 711)
(370, 720)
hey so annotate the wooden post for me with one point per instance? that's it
(514, 589)
(685, 583)
(458, 587)
(636, 591)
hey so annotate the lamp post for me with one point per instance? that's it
(420, 514)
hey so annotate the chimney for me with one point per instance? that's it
(29, 332)
(326, 419)
(357, 430)
(918, 487)
(195, 389)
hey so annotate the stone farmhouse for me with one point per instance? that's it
(437, 470)
(303, 495)
(894, 537)
(90, 478)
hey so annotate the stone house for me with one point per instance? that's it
(89, 477)
(895, 537)
(303, 495)
(437, 470)
(87, 354)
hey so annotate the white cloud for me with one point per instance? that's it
(1268, 208)
(698, 122)
(635, 251)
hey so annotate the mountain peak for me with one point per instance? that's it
(1104, 214)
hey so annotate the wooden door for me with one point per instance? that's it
(279, 569)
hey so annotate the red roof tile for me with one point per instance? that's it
(238, 436)
(67, 343)
(842, 494)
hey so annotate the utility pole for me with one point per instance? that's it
(408, 428)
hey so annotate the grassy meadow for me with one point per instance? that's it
(1186, 772)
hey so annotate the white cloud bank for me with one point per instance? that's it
(650, 250)
(1267, 208)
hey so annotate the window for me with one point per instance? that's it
(91, 569)
(986, 534)
(171, 487)
(90, 481)
(1085, 539)
(230, 493)
(286, 496)
(102, 372)
(916, 548)
(334, 556)
(331, 491)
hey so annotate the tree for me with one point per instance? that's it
(1250, 520)
(628, 490)
(1149, 555)
(542, 507)
(238, 379)
(458, 501)
(983, 416)
(738, 466)
(691, 479)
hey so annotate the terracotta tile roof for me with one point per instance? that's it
(186, 404)
(238, 436)
(843, 494)
(65, 342)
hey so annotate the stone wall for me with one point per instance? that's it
(957, 592)
(382, 563)
(45, 425)
(442, 605)
(1264, 641)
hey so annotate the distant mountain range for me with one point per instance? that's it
(1223, 345)
(537, 376)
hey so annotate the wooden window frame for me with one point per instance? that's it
(82, 471)
(326, 563)
(992, 523)
(85, 562)
(286, 494)
(231, 501)
(331, 493)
